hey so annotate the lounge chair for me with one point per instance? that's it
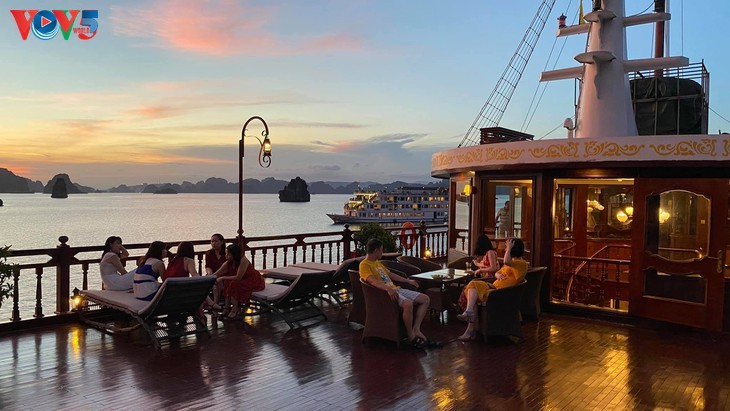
(401, 267)
(500, 314)
(170, 314)
(383, 318)
(530, 307)
(423, 265)
(338, 287)
(294, 303)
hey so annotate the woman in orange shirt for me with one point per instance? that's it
(477, 291)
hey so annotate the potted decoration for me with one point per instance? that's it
(6, 274)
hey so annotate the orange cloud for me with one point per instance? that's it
(218, 28)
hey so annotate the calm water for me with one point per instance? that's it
(37, 220)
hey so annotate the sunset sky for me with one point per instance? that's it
(351, 89)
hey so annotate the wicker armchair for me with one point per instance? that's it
(500, 314)
(383, 317)
(423, 265)
(530, 306)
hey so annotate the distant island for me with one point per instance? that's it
(11, 183)
(167, 190)
(295, 192)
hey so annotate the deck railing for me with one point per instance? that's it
(601, 282)
(45, 277)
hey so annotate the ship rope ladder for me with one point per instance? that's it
(492, 111)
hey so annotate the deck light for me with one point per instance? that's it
(264, 159)
(621, 216)
(467, 190)
(77, 300)
(427, 253)
(629, 211)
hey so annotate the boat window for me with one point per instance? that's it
(461, 215)
(678, 225)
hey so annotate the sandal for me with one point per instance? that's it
(468, 337)
(418, 342)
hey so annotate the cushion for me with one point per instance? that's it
(271, 292)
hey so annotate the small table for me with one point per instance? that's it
(440, 300)
(289, 273)
(317, 266)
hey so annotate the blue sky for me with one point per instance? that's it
(351, 90)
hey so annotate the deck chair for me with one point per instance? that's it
(423, 265)
(463, 263)
(530, 307)
(383, 317)
(170, 314)
(401, 267)
(500, 314)
(338, 287)
(294, 303)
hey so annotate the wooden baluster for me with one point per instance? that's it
(314, 252)
(321, 253)
(617, 301)
(329, 252)
(200, 264)
(276, 252)
(285, 255)
(602, 290)
(85, 276)
(263, 257)
(38, 293)
(294, 254)
(253, 257)
(16, 295)
(338, 254)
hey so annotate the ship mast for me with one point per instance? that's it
(604, 107)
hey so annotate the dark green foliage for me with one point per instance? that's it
(374, 230)
(6, 274)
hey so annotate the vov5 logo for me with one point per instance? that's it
(45, 24)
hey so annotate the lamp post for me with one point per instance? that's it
(264, 159)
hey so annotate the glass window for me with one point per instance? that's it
(678, 225)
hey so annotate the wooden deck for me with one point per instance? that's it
(563, 363)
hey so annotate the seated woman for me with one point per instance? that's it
(183, 264)
(149, 269)
(214, 260)
(512, 273)
(113, 274)
(485, 258)
(239, 278)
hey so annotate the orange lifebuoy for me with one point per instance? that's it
(408, 240)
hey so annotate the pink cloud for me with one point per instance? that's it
(219, 28)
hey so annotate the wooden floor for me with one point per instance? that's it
(563, 364)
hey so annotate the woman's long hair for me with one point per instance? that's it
(223, 243)
(185, 249)
(108, 244)
(155, 251)
(235, 251)
(483, 245)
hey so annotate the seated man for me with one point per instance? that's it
(376, 274)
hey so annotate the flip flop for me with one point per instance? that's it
(434, 344)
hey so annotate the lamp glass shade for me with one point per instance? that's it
(621, 216)
(267, 146)
(467, 190)
(629, 211)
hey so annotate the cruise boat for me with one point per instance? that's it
(410, 203)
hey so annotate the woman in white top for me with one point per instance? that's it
(113, 274)
(149, 269)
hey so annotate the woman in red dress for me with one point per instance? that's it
(240, 280)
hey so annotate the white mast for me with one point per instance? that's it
(604, 106)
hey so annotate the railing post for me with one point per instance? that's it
(422, 240)
(16, 294)
(63, 275)
(38, 293)
(346, 242)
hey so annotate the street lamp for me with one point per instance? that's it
(264, 159)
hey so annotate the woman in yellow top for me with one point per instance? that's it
(512, 273)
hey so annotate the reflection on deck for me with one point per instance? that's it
(563, 363)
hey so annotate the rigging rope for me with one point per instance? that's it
(547, 63)
(719, 115)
